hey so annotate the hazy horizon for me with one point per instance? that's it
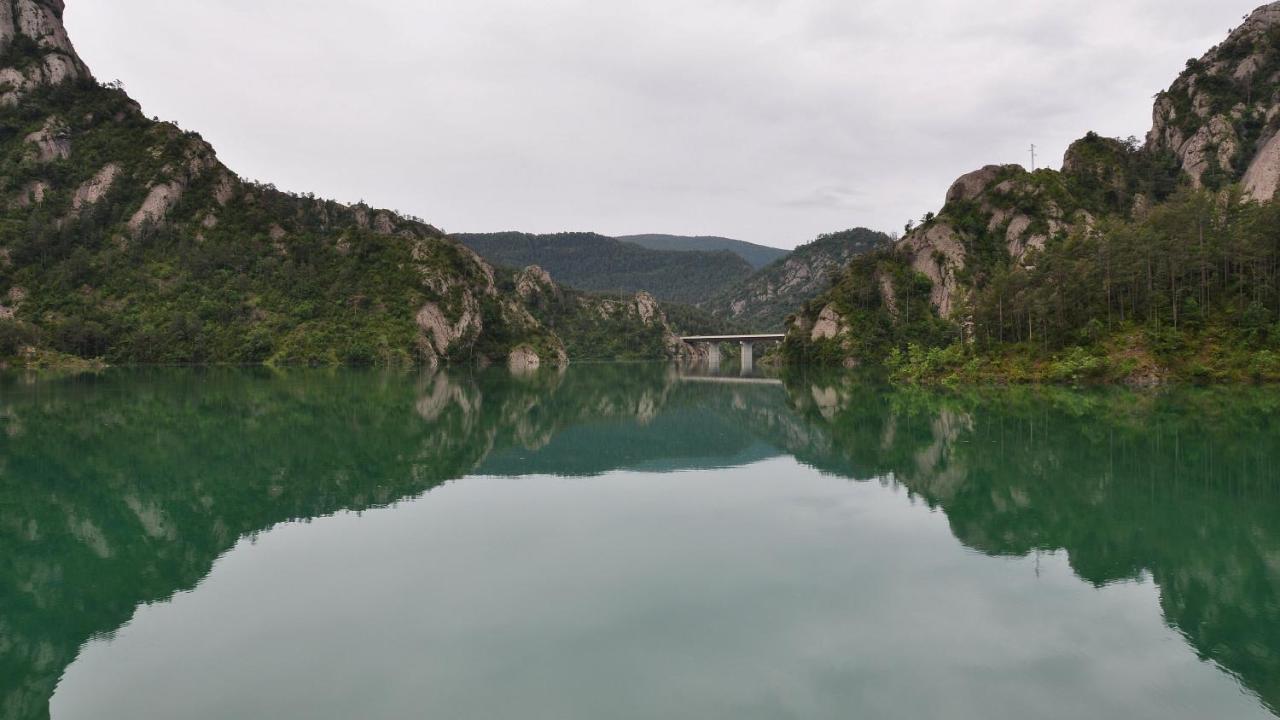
(770, 121)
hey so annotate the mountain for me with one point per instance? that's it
(1135, 262)
(592, 262)
(596, 327)
(758, 255)
(763, 301)
(126, 238)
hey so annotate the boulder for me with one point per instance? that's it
(523, 360)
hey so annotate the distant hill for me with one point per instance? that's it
(763, 301)
(596, 263)
(758, 255)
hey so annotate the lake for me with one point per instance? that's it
(626, 541)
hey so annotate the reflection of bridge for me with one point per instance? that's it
(730, 380)
(748, 342)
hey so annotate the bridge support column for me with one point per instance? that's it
(713, 355)
(748, 357)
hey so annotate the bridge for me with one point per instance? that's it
(748, 342)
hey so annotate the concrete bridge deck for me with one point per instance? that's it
(748, 343)
(734, 338)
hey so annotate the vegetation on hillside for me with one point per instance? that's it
(226, 272)
(595, 263)
(597, 327)
(757, 255)
(1189, 290)
(763, 301)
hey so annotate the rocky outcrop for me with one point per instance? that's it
(440, 334)
(937, 253)
(96, 187)
(52, 142)
(31, 194)
(160, 200)
(829, 325)
(12, 302)
(523, 360)
(53, 59)
(1219, 119)
(1262, 179)
(647, 309)
(889, 297)
(532, 282)
(969, 187)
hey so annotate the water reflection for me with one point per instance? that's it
(121, 489)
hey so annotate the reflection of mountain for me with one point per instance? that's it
(686, 438)
(124, 489)
(697, 427)
(1182, 486)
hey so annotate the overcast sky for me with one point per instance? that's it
(765, 120)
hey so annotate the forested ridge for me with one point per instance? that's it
(757, 255)
(763, 301)
(1137, 262)
(587, 261)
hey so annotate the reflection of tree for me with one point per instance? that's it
(124, 489)
(1183, 486)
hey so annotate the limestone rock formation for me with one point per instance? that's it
(524, 360)
(96, 187)
(829, 325)
(54, 61)
(1220, 118)
(533, 281)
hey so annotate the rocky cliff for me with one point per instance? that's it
(127, 238)
(35, 51)
(1221, 116)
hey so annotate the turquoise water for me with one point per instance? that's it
(627, 542)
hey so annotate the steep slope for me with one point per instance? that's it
(126, 238)
(763, 301)
(757, 255)
(1150, 256)
(1220, 118)
(596, 263)
(595, 327)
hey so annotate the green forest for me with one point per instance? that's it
(596, 263)
(763, 301)
(1190, 289)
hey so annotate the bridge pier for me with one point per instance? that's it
(746, 342)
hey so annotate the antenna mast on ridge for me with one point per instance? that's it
(1033, 157)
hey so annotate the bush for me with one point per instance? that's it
(15, 336)
(1076, 366)
(1265, 365)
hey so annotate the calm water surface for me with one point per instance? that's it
(625, 542)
